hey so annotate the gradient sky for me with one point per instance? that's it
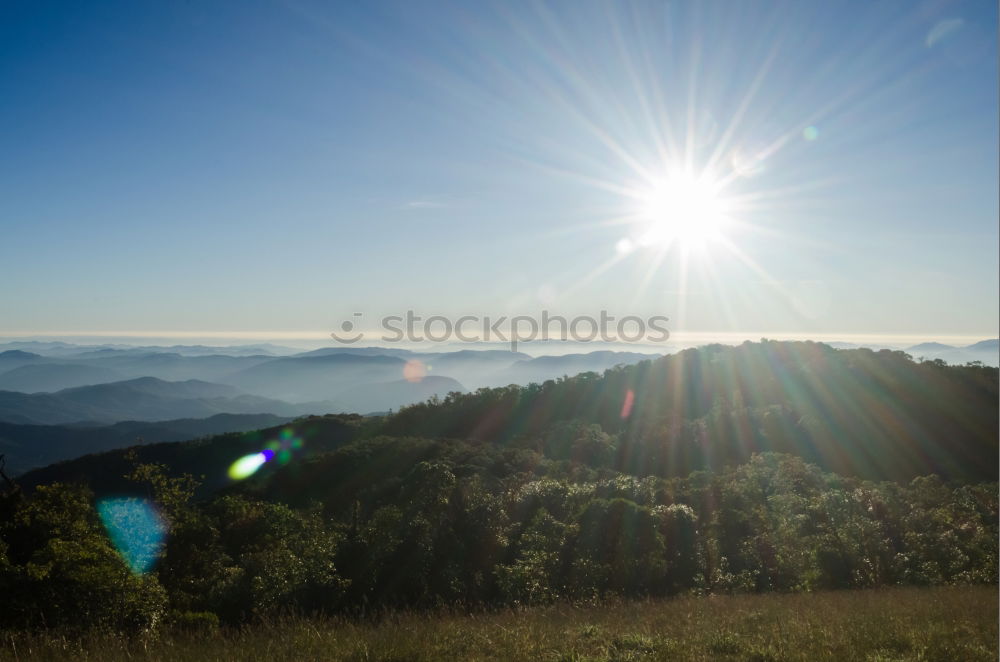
(272, 167)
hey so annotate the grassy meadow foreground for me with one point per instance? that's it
(945, 623)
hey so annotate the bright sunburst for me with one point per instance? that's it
(684, 210)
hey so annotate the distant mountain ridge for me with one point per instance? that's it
(145, 398)
(985, 351)
(329, 373)
(41, 389)
(18, 354)
(873, 415)
(49, 377)
(930, 347)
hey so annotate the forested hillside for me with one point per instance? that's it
(857, 412)
(27, 446)
(651, 480)
(877, 415)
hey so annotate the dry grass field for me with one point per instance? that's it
(946, 624)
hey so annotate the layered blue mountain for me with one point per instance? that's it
(142, 399)
(986, 352)
(51, 377)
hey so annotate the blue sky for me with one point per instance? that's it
(267, 168)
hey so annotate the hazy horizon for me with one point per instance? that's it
(553, 346)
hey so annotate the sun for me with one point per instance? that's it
(684, 210)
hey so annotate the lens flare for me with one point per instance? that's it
(627, 404)
(414, 370)
(279, 449)
(136, 530)
(247, 465)
(624, 246)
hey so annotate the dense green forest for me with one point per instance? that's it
(765, 467)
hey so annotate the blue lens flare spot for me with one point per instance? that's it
(136, 530)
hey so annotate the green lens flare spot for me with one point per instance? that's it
(247, 465)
